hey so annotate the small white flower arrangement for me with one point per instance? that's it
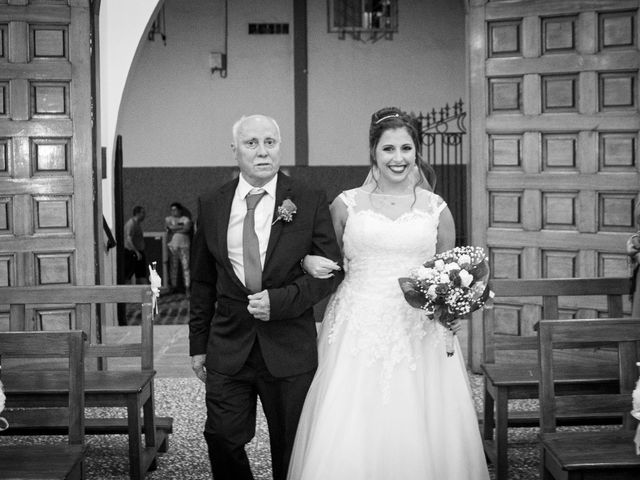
(286, 211)
(156, 283)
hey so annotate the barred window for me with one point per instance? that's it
(367, 20)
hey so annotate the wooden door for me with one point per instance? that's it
(554, 141)
(47, 179)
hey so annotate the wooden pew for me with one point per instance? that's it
(132, 389)
(510, 362)
(55, 461)
(588, 455)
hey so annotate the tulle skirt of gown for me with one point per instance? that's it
(386, 401)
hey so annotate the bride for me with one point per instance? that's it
(386, 402)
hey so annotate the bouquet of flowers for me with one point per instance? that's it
(450, 285)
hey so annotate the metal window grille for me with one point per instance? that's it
(442, 132)
(365, 20)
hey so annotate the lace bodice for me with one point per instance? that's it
(369, 309)
(376, 245)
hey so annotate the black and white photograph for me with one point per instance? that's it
(319, 239)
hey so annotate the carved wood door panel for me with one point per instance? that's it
(554, 140)
(46, 166)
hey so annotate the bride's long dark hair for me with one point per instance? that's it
(389, 118)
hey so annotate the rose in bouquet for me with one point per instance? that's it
(450, 285)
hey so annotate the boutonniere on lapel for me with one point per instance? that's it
(286, 211)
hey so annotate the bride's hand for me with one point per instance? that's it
(455, 325)
(318, 266)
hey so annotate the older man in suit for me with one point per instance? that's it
(252, 331)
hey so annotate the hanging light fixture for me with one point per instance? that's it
(218, 60)
(158, 27)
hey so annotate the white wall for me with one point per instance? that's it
(122, 24)
(175, 113)
(422, 68)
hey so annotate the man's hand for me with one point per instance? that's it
(197, 365)
(260, 306)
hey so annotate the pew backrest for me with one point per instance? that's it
(554, 335)
(69, 345)
(83, 302)
(528, 301)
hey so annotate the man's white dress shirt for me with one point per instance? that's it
(263, 220)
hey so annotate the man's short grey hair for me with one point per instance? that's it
(236, 126)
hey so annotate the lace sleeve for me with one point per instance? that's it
(440, 204)
(349, 198)
(430, 202)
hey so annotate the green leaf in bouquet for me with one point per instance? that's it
(480, 271)
(444, 316)
(484, 300)
(412, 295)
(429, 263)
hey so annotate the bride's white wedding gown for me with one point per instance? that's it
(386, 402)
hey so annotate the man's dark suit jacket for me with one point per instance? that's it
(220, 324)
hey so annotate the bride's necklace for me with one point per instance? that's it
(390, 198)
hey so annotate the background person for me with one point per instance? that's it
(135, 262)
(179, 227)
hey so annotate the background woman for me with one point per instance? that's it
(179, 226)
